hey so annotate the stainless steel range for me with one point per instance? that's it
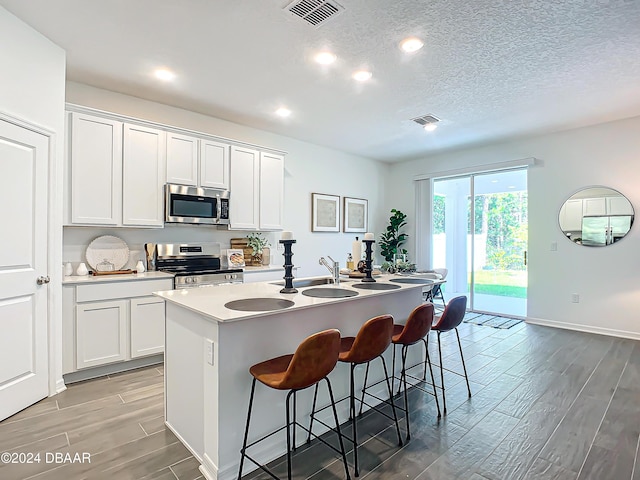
(195, 265)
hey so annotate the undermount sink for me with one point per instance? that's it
(329, 292)
(259, 304)
(310, 282)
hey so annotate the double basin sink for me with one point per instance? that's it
(268, 304)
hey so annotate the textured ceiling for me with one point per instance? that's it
(491, 70)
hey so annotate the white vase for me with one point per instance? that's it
(140, 267)
(68, 269)
(82, 269)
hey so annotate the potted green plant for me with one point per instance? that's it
(392, 239)
(260, 245)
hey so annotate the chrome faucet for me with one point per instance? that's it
(335, 269)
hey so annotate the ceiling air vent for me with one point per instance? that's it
(426, 119)
(314, 12)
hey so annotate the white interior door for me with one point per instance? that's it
(24, 158)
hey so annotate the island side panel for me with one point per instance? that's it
(246, 342)
(190, 380)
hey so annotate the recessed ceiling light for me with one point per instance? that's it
(325, 58)
(512, 186)
(283, 112)
(411, 44)
(164, 74)
(430, 127)
(362, 75)
(494, 181)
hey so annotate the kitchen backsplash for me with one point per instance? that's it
(77, 239)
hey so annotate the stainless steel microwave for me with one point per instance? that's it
(206, 206)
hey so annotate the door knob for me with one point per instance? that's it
(41, 280)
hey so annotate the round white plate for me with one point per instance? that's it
(109, 248)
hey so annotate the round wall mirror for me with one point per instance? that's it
(596, 217)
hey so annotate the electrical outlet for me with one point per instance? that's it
(575, 298)
(209, 351)
(554, 246)
(280, 246)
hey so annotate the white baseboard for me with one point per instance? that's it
(584, 328)
(208, 469)
(60, 386)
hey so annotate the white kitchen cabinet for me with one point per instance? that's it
(571, 215)
(143, 176)
(244, 188)
(257, 189)
(147, 326)
(271, 191)
(101, 333)
(114, 320)
(594, 207)
(214, 164)
(182, 159)
(619, 206)
(96, 170)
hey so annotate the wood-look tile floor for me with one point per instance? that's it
(547, 404)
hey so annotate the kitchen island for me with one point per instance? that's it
(209, 349)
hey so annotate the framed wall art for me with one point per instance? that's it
(325, 213)
(355, 215)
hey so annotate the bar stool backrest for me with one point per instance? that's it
(372, 340)
(452, 315)
(417, 326)
(313, 360)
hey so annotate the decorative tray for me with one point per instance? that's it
(107, 249)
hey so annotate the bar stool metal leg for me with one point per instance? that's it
(335, 416)
(354, 423)
(464, 367)
(292, 392)
(444, 397)
(246, 430)
(393, 405)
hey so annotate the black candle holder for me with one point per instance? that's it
(288, 267)
(368, 247)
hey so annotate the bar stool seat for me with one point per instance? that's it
(312, 361)
(373, 338)
(416, 329)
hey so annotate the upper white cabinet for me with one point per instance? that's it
(594, 206)
(245, 178)
(271, 191)
(118, 166)
(214, 164)
(571, 215)
(182, 159)
(619, 206)
(143, 176)
(198, 162)
(96, 170)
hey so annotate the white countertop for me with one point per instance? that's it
(84, 279)
(263, 268)
(210, 301)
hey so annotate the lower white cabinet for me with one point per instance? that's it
(147, 326)
(101, 336)
(112, 322)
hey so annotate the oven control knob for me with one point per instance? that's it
(234, 276)
(227, 277)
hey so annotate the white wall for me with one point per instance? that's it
(308, 168)
(606, 279)
(32, 89)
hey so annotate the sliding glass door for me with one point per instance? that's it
(483, 242)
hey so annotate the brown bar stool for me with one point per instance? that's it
(370, 343)
(450, 319)
(312, 361)
(415, 330)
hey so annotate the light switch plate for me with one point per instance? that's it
(209, 351)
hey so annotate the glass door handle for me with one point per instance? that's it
(525, 257)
